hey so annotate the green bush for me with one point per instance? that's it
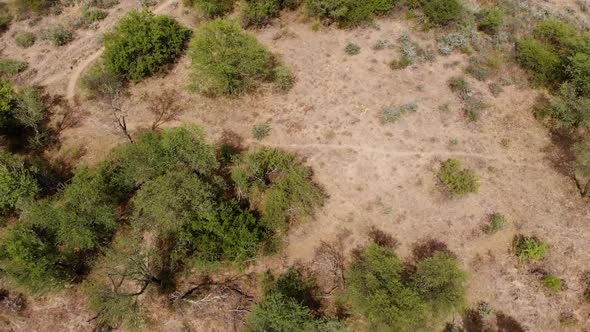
(5, 19)
(8, 101)
(25, 39)
(562, 36)
(443, 12)
(17, 184)
(142, 43)
(490, 20)
(11, 66)
(578, 70)
(528, 248)
(348, 13)
(459, 181)
(260, 12)
(553, 283)
(278, 185)
(214, 8)
(58, 35)
(396, 297)
(441, 283)
(228, 61)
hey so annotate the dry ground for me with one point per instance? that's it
(375, 174)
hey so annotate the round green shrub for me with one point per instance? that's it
(228, 61)
(142, 43)
(490, 20)
(443, 12)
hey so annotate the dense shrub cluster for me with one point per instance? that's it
(141, 43)
(398, 297)
(348, 13)
(490, 20)
(17, 184)
(443, 12)
(260, 12)
(228, 61)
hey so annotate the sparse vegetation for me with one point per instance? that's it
(261, 130)
(394, 114)
(283, 78)
(25, 39)
(245, 62)
(458, 181)
(213, 8)
(142, 43)
(497, 222)
(352, 49)
(11, 66)
(58, 35)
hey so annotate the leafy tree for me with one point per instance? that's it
(226, 60)
(17, 184)
(377, 290)
(278, 185)
(441, 283)
(156, 153)
(393, 296)
(142, 43)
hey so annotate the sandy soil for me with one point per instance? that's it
(375, 174)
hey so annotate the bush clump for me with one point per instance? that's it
(348, 13)
(529, 248)
(490, 20)
(142, 43)
(17, 184)
(213, 8)
(443, 12)
(396, 297)
(497, 222)
(58, 35)
(278, 185)
(553, 283)
(458, 181)
(25, 39)
(228, 61)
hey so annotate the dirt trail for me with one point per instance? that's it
(75, 77)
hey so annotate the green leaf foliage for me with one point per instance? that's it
(529, 248)
(395, 297)
(214, 8)
(17, 184)
(228, 61)
(142, 43)
(348, 13)
(278, 185)
(443, 12)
